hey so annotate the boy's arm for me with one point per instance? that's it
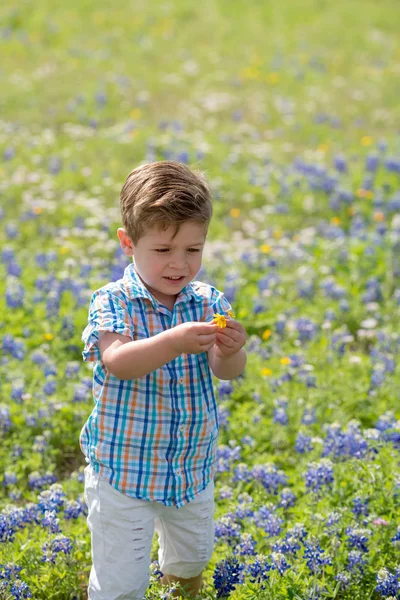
(227, 367)
(133, 359)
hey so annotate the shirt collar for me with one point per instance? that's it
(137, 289)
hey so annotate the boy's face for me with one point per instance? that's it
(157, 257)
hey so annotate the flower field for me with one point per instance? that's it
(291, 110)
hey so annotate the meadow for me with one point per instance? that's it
(292, 112)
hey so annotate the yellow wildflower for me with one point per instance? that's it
(48, 336)
(235, 212)
(378, 217)
(272, 78)
(366, 140)
(136, 113)
(230, 313)
(265, 248)
(335, 221)
(361, 193)
(220, 320)
(266, 334)
(286, 361)
(266, 372)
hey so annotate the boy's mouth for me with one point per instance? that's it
(173, 279)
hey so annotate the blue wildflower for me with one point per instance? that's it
(227, 574)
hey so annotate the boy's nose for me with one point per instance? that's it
(177, 262)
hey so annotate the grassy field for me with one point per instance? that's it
(291, 110)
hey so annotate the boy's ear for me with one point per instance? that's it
(125, 242)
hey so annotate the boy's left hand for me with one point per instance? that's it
(230, 339)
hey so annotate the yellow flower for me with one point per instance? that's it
(272, 78)
(361, 193)
(219, 320)
(266, 372)
(230, 313)
(136, 113)
(48, 336)
(366, 140)
(266, 334)
(335, 221)
(286, 361)
(265, 248)
(235, 212)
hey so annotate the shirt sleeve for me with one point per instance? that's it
(107, 312)
(218, 304)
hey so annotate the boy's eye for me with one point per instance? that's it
(167, 250)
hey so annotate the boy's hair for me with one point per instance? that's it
(162, 194)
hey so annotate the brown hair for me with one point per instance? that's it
(162, 194)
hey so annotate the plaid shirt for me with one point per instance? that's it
(153, 437)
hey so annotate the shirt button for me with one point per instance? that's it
(182, 428)
(178, 471)
(181, 380)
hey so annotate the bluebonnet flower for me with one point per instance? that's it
(246, 546)
(319, 474)
(10, 478)
(303, 443)
(340, 163)
(5, 418)
(242, 473)
(358, 538)
(73, 509)
(280, 414)
(7, 531)
(287, 498)
(309, 416)
(50, 520)
(388, 584)
(315, 557)
(223, 416)
(356, 562)
(225, 388)
(227, 574)
(360, 506)
(15, 292)
(279, 562)
(344, 579)
(259, 570)
(228, 529)
(269, 476)
(396, 537)
(344, 443)
(247, 440)
(288, 545)
(225, 493)
(226, 456)
(268, 521)
(306, 329)
(298, 531)
(332, 520)
(52, 499)
(20, 589)
(386, 421)
(51, 549)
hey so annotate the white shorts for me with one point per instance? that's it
(122, 531)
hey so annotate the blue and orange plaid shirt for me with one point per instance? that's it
(153, 437)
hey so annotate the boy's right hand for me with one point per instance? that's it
(193, 337)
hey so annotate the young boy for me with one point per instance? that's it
(151, 438)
